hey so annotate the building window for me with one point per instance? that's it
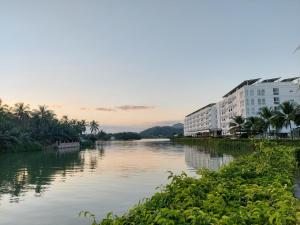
(275, 91)
(253, 110)
(276, 100)
(252, 101)
(247, 101)
(251, 92)
(258, 92)
(262, 92)
(263, 101)
(276, 108)
(259, 101)
(246, 92)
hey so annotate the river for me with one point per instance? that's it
(47, 188)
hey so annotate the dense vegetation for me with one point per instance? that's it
(164, 131)
(235, 147)
(254, 189)
(24, 129)
(269, 122)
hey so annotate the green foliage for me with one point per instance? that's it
(22, 129)
(235, 147)
(254, 189)
(125, 136)
(288, 113)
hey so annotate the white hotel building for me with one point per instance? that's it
(246, 100)
(204, 121)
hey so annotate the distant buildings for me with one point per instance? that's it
(245, 100)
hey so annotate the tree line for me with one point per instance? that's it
(21, 126)
(269, 122)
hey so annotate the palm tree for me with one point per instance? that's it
(21, 111)
(297, 115)
(94, 126)
(3, 108)
(277, 121)
(81, 126)
(287, 114)
(255, 125)
(237, 124)
(266, 114)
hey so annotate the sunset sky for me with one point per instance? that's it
(133, 64)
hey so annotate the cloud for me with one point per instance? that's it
(134, 107)
(83, 108)
(104, 109)
(56, 106)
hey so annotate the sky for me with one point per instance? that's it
(133, 64)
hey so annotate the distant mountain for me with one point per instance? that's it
(164, 131)
(178, 126)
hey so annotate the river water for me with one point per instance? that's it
(47, 188)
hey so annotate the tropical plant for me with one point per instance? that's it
(266, 114)
(254, 189)
(237, 125)
(255, 125)
(21, 127)
(287, 115)
(94, 127)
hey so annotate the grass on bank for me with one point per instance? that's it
(254, 189)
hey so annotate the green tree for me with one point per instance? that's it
(237, 125)
(287, 115)
(266, 114)
(94, 127)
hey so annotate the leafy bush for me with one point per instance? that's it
(254, 189)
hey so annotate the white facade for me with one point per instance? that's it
(245, 100)
(204, 120)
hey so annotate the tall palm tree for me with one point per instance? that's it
(297, 115)
(237, 124)
(94, 126)
(287, 114)
(266, 114)
(81, 126)
(3, 107)
(255, 125)
(21, 111)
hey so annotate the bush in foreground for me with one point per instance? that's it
(254, 189)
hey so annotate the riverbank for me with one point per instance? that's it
(235, 147)
(254, 189)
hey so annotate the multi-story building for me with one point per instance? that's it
(204, 121)
(246, 100)
(250, 96)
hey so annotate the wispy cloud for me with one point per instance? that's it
(83, 108)
(134, 107)
(104, 109)
(56, 106)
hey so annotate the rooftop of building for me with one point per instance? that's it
(207, 106)
(255, 81)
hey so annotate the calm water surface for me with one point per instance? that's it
(41, 188)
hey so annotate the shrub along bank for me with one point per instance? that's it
(254, 189)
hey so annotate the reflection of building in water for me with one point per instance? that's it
(197, 158)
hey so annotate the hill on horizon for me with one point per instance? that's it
(163, 131)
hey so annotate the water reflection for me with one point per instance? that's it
(111, 177)
(34, 171)
(198, 157)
